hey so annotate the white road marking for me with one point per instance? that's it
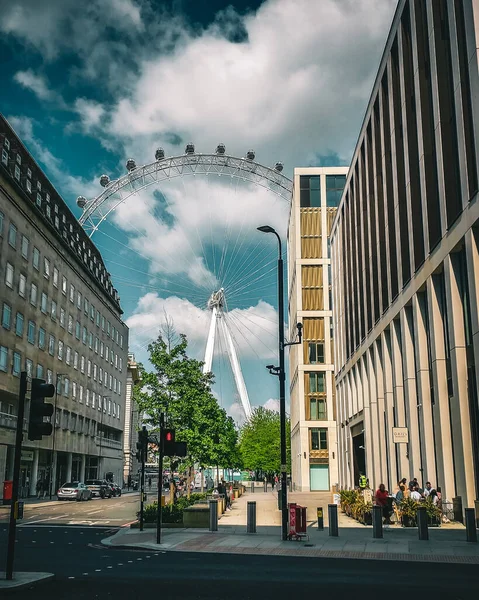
(92, 512)
(84, 573)
(120, 564)
(97, 570)
(109, 567)
(130, 561)
(139, 559)
(71, 578)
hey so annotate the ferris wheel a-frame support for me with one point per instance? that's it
(216, 305)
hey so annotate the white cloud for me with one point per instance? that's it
(37, 84)
(272, 404)
(253, 329)
(90, 113)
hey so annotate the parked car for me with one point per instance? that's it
(99, 488)
(115, 488)
(74, 490)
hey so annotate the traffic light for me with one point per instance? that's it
(168, 442)
(170, 447)
(37, 427)
(142, 445)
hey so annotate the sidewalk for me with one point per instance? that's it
(446, 544)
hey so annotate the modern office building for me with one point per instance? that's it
(60, 321)
(130, 437)
(405, 257)
(314, 456)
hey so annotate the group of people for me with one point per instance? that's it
(223, 490)
(413, 490)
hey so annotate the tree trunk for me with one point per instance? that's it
(202, 481)
(188, 482)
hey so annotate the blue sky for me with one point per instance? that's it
(88, 86)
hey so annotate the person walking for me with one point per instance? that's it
(382, 496)
(39, 488)
(415, 494)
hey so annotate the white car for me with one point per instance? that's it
(74, 491)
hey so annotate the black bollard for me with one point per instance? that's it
(422, 523)
(213, 515)
(333, 520)
(319, 514)
(471, 532)
(377, 522)
(251, 517)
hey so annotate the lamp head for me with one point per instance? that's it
(266, 229)
(270, 366)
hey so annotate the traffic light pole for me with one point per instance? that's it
(142, 488)
(160, 480)
(16, 476)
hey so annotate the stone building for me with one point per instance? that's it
(405, 256)
(60, 321)
(316, 195)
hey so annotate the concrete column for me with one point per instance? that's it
(34, 474)
(69, 466)
(398, 396)
(82, 467)
(385, 348)
(426, 433)
(381, 436)
(410, 393)
(460, 416)
(372, 433)
(441, 420)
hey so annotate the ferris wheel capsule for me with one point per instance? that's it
(104, 180)
(190, 148)
(130, 164)
(220, 149)
(250, 155)
(159, 154)
(278, 167)
(81, 201)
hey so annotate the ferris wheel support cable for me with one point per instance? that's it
(226, 237)
(267, 331)
(242, 280)
(234, 326)
(240, 288)
(239, 324)
(245, 263)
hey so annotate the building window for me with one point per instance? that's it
(51, 345)
(100, 375)
(22, 285)
(107, 352)
(53, 312)
(44, 302)
(98, 317)
(36, 259)
(119, 387)
(319, 439)
(62, 317)
(87, 397)
(6, 316)
(95, 370)
(108, 326)
(12, 236)
(121, 364)
(88, 371)
(72, 293)
(334, 189)
(70, 324)
(84, 335)
(90, 340)
(19, 324)
(3, 359)
(309, 191)
(66, 386)
(31, 332)
(102, 349)
(2, 219)
(79, 300)
(80, 393)
(318, 409)
(92, 312)
(33, 294)
(29, 174)
(48, 211)
(97, 342)
(60, 350)
(64, 285)
(74, 390)
(85, 306)
(40, 371)
(315, 353)
(68, 355)
(39, 200)
(17, 171)
(41, 338)
(25, 246)
(17, 364)
(46, 268)
(317, 382)
(55, 277)
(82, 364)
(50, 378)
(29, 367)
(77, 330)
(9, 275)
(103, 323)
(4, 157)
(75, 360)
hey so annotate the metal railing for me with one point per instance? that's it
(10, 421)
(107, 443)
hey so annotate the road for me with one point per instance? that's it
(85, 569)
(112, 511)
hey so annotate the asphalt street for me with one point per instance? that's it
(112, 511)
(86, 569)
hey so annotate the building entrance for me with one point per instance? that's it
(359, 454)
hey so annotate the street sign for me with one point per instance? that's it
(283, 469)
(19, 509)
(400, 435)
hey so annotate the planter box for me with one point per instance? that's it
(197, 516)
(409, 522)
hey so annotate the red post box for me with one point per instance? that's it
(297, 522)
(7, 492)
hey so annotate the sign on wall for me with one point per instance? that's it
(400, 435)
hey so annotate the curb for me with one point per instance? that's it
(17, 585)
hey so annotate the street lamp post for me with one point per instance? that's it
(280, 372)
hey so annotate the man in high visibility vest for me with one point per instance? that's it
(363, 481)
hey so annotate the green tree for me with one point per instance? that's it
(178, 387)
(259, 442)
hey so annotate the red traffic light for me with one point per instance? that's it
(169, 436)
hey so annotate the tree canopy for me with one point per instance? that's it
(178, 387)
(260, 442)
